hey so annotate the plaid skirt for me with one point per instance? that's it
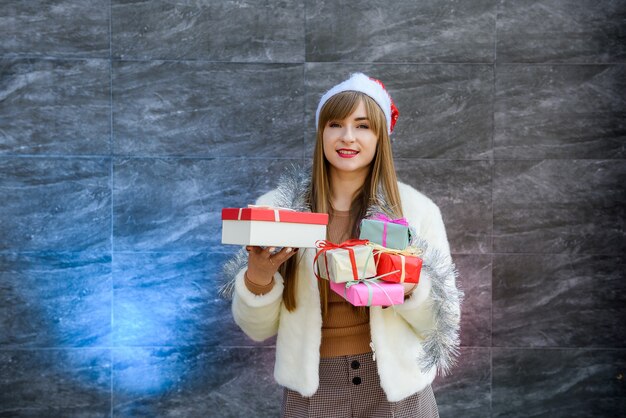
(350, 387)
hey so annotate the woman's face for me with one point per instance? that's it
(350, 144)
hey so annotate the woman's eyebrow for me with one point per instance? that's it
(361, 118)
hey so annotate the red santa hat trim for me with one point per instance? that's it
(373, 88)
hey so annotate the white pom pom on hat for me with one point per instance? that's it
(373, 88)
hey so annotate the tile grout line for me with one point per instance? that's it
(217, 211)
(214, 347)
(285, 63)
(303, 116)
(306, 91)
(493, 169)
(296, 157)
(111, 189)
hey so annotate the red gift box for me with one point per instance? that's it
(274, 227)
(405, 268)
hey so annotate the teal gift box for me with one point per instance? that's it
(390, 233)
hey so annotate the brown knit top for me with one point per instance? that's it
(344, 330)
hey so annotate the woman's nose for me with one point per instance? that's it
(348, 135)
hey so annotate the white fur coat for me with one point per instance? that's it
(409, 340)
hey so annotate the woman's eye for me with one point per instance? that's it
(333, 124)
(364, 126)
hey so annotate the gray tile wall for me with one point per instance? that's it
(125, 126)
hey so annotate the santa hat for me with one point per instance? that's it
(373, 88)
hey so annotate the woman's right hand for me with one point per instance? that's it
(263, 263)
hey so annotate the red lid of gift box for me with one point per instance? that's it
(273, 215)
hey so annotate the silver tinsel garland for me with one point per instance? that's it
(441, 343)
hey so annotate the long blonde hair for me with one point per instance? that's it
(381, 178)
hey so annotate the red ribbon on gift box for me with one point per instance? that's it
(325, 245)
(384, 218)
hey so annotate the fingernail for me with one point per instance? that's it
(289, 250)
(272, 249)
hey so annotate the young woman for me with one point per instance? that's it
(334, 359)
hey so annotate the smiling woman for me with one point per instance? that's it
(325, 347)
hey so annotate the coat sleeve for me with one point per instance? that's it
(257, 315)
(433, 309)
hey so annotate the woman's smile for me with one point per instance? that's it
(347, 153)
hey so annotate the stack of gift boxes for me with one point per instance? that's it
(371, 271)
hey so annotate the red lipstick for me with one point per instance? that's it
(347, 153)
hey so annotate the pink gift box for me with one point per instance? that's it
(370, 293)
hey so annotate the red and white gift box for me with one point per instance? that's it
(276, 227)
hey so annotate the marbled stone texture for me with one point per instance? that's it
(55, 204)
(466, 391)
(72, 382)
(462, 190)
(560, 111)
(564, 31)
(445, 110)
(63, 28)
(559, 206)
(175, 204)
(559, 300)
(405, 31)
(126, 126)
(207, 109)
(55, 106)
(558, 383)
(170, 299)
(238, 31)
(55, 300)
(193, 382)
(475, 280)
